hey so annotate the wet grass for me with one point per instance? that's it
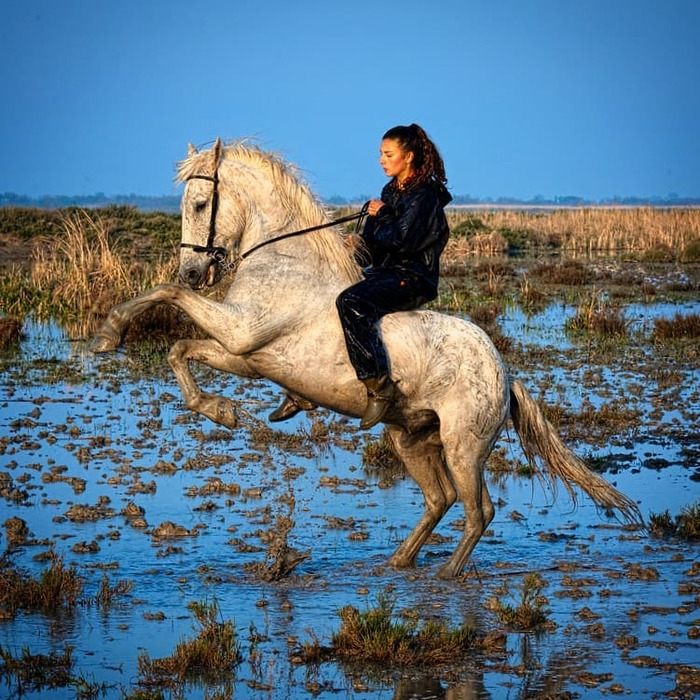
(597, 316)
(680, 326)
(529, 610)
(213, 654)
(381, 635)
(565, 272)
(77, 275)
(379, 459)
(57, 587)
(685, 525)
(30, 672)
(109, 593)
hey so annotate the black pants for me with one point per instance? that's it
(362, 305)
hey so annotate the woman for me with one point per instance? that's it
(405, 233)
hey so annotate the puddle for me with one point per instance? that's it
(110, 431)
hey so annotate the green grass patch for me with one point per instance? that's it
(213, 654)
(380, 635)
(528, 610)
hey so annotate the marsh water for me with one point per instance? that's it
(97, 453)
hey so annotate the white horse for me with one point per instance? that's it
(279, 321)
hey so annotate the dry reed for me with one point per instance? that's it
(680, 326)
(85, 275)
(597, 316)
(586, 229)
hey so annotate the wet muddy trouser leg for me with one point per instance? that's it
(361, 306)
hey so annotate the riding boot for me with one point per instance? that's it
(290, 406)
(381, 392)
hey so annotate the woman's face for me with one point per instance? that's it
(394, 161)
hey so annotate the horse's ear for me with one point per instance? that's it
(191, 150)
(216, 152)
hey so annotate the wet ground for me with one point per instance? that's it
(102, 462)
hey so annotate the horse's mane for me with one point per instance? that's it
(297, 198)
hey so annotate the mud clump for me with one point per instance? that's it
(169, 530)
(86, 548)
(80, 513)
(9, 491)
(17, 532)
(280, 558)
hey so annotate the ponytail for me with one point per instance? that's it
(427, 160)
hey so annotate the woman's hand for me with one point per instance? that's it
(373, 206)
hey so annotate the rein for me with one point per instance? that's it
(219, 253)
(318, 227)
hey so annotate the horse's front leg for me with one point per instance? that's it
(112, 331)
(219, 409)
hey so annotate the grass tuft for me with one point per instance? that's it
(378, 635)
(685, 526)
(679, 326)
(57, 587)
(213, 654)
(530, 611)
(597, 317)
(36, 672)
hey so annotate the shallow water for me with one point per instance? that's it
(116, 423)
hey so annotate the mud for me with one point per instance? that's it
(100, 462)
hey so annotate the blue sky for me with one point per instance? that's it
(594, 98)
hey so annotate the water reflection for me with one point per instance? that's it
(116, 422)
(429, 688)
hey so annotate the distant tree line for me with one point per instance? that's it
(171, 203)
(167, 204)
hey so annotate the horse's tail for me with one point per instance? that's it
(538, 437)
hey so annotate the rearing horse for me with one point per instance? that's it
(279, 321)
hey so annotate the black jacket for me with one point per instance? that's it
(409, 233)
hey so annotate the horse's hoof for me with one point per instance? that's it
(230, 420)
(226, 414)
(401, 563)
(104, 343)
(447, 572)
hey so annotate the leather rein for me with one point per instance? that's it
(219, 253)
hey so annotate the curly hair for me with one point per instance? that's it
(427, 160)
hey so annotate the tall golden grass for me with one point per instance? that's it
(86, 275)
(79, 274)
(81, 266)
(590, 229)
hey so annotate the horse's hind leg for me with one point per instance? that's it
(466, 454)
(217, 408)
(423, 459)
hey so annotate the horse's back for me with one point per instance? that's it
(440, 358)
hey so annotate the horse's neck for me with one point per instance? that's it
(270, 215)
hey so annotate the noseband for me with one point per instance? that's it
(219, 253)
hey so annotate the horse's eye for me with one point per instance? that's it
(200, 207)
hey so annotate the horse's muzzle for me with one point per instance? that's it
(197, 277)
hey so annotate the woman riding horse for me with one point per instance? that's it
(405, 233)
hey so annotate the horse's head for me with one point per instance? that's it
(209, 231)
(240, 197)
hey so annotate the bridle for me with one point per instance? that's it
(219, 254)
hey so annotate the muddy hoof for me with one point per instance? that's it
(447, 572)
(104, 343)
